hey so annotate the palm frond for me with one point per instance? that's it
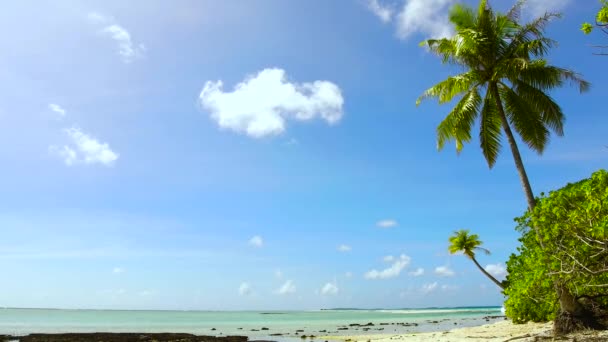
(551, 113)
(526, 119)
(490, 129)
(458, 123)
(446, 90)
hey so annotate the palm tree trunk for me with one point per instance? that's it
(519, 164)
(488, 274)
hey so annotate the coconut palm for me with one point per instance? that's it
(467, 243)
(504, 84)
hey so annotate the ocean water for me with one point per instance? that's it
(249, 323)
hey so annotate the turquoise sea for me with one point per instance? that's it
(274, 325)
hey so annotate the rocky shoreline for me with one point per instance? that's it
(122, 337)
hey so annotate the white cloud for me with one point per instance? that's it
(444, 271)
(537, 8)
(344, 248)
(85, 149)
(393, 271)
(497, 270)
(287, 288)
(57, 109)
(127, 49)
(446, 287)
(428, 288)
(256, 241)
(426, 17)
(260, 105)
(118, 270)
(245, 289)
(417, 273)
(383, 12)
(330, 289)
(146, 293)
(388, 258)
(387, 224)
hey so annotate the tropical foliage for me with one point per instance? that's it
(601, 19)
(573, 225)
(467, 243)
(505, 84)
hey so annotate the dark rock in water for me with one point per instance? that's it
(298, 331)
(124, 337)
(277, 334)
(303, 336)
(254, 330)
(265, 328)
(342, 328)
(213, 329)
(322, 331)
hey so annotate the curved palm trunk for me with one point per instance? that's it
(519, 164)
(488, 274)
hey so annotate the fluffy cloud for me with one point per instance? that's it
(287, 288)
(118, 270)
(260, 105)
(426, 17)
(245, 289)
(497, 270)
(128, 50)
(428, 288)
(85, 149)
(393, 271)
(329, 289)
(387, 224)
(536, 8)
(57, 109)
(417, 273)
(344, 248)
(256, 241)
(383, 12)
(444, 271)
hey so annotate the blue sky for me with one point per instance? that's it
(131, 178)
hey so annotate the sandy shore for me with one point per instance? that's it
(500, 331)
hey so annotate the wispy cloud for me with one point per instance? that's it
(344, 248)
(118, 270)
(444, 271)
(260, 105)
(383, 12)
(61, 113)
(287, 288)
(330, 289)
(245, 289)
(389, 223)
(256, 241)
(84, 149)
(416, 273)
(394, 270)
(497, 270)
(428, 288)
(537, 8)
(127, 49)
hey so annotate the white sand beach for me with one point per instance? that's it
(500, 331)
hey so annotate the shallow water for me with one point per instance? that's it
(249, 323)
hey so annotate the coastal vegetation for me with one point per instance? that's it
(560, 271)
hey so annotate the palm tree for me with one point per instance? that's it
(504, 85)
(467, 243)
